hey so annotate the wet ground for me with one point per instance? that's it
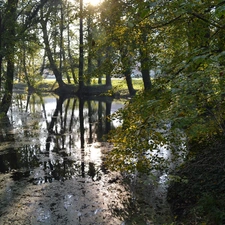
(52, 168)
(78, 200)
(82, 201)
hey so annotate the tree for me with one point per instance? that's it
(144, 42)
(8, 43)
(185, 103)
(114, 22)
(81, 50)
(1, 47)
(11, 33)
(70, 17)
(44, 19)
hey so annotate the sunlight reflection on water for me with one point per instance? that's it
(55, 147)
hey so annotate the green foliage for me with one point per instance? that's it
(201, 199)
(210, 209)
(139, 141)
(186, 102)
(192, 106)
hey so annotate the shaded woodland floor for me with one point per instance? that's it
(199, 195)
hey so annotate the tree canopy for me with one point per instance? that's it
(181, 41)
(184, 41)
(179, 46)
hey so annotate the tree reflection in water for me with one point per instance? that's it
(49, 136)
(51, 140)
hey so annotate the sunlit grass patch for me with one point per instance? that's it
(121, 83)
(118, 84)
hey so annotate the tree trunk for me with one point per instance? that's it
(7, 98)
(24, 68)
(10, 24)
(130, 87)
(146, 78)
(110, 67)
(1, 55)
(145, 70)
(98, 65)
(108, 80)
(145, 67)
(71, 60)
(90, 43)
(57, 73)
(81, 50)
(126, 62)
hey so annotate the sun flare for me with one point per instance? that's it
(93, 2)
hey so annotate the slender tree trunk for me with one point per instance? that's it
(126, 62)
(145, 70)
(61, 40)
(108, 80)
(145, 67)
(81, 50)
(62, 50)
(110, 68)
(1, 55)
(89, 31)
(10, 22)
(146, 78)
(50, 55)
(71, 60)
(128, 78)
(30, 88)
(65, 68)
(7, 98)
(98, 65)
(43, 64)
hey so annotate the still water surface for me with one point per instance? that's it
(52, 167)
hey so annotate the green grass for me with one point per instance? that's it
(119, 85)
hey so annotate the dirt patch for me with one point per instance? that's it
(74, 201)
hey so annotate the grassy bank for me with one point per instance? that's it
(119, 85)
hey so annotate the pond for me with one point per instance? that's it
(52, 167)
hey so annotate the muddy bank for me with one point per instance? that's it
(112, 200)
(74, 201)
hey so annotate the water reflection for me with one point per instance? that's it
(49, 138)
